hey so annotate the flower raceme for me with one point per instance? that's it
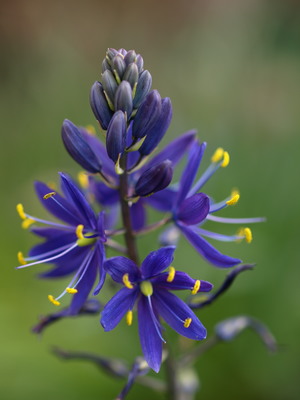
(75, 246)
(149, 288)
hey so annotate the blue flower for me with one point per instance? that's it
(76, 246)
(190, 209)
(150, 287)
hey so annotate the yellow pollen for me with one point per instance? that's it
(48, 195)
(248, 235)
(234, 199)
(27, 222)
(226, 159)
(71, 290)
(21, 258)
(129, 317)
(127, 282)
(83, 179)
(171, 274)
(187, 322)
(90, 129)
(78, 231)
(217, 156)
(53, 301)
(196, 287)
(20, 210)
(234, 192)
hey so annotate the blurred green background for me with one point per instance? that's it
(231, 69)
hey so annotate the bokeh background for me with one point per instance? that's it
(231, 68)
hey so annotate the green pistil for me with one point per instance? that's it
(86, 241)
(146, 288)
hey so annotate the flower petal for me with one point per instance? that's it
(151, 342)
(138, 215)
(117, 267)
(157, 261)
(194, 209)
(181, 281)
(117, 307)
(163, 200)
(174, 311)
(207, 250)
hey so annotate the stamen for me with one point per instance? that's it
(196, 287)
(21, 258)
(129, 317)
(187, 322)
(127, 282)
(246, 233)
(27, 222)
(146, 288)
(20, 210)
(79, 231)
(217, 156)
(83, 179)
(48, 195)
(154, 319)
(171, 276)
(226, 159)
(234, 199)
(71, 290)
(53, 300)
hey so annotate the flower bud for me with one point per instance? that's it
(78, 148)
(143, 88)
(99, 105)
(116, 136)
(131, 74)
(147, 115)
(156, 133)
(118, 66)
(154, 179)
(105, 65)
(110, 86)
(122, 51)
(123, 98)
(130, 57)
(110, 54)
(139, 62)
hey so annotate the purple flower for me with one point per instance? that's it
(149, 287)
(190, 209)
(74, 246)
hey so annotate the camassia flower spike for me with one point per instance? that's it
(149, 287)
(76, 246)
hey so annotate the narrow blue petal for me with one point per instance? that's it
(174, 311)
(54, 242)
(88, 218)
(157, 261)
(194, 209)
(86, 284)
(118, 266)
(66, 212)
(138, 215)
(190, 171)
(207, 250)
(181, 281)
(47, 233)
(175, 150)
(111, 216)
(163, 200)
(117, 307)
(151, 343)
(99, 248)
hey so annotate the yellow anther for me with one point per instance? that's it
(171, 274)
(196, 287)
(234, 192)
(27, 222)
(48, 195)
(21, 258)
(218, 155)
(20, 210)
(129, 317)
(234, 199)
(71, 290)
(90, 129)
(53, 301)
(83, 179)
(187, 322)
(248, 235)
(226, 159)
(78, 231)
(127, 282)
(146, 288)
